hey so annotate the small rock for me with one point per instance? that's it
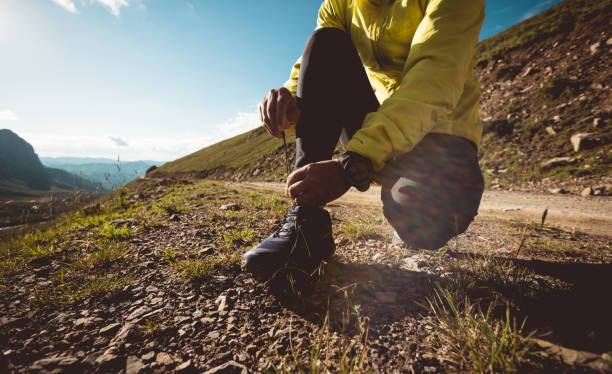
(137, 313)
(174, 217)
(231, 367)
(83, 322)
(206, 251)
(551, 131)
(587, 192)
(594, 48)
(164, 359)
(133, 365)
(151, 289)
(609, 41)
(148, 356)
(100, 342)
(127, 331)
(557, 161)
(108, 360)
(229, 207)
(185, 367)
(224, 303)
(557, 191)
(557, 118)
(110, 329)
(47, 362)
(578, 140)
(214, 335)
(527, 71)
(596, 122)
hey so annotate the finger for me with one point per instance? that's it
(299, 188)
(297, 176)
(308, 198)
(262, 117)
(281, 111)
(271, 111)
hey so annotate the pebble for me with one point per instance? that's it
(164, 359)
(133, 365)
(185, 367)
(110, 329)
(148, 356)
(229, 367)
(137, 313)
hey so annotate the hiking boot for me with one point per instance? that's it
(303, 239)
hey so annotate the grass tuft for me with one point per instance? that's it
(199, 270)
(473, 340)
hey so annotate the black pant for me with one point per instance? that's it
(429, 194)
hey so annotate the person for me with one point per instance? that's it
(391, 80)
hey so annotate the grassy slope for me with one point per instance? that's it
(239, 157)
(243, 150)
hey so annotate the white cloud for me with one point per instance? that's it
(241, 122)
(161, 147)
(7, 115)
(114, 5)
(68, 5)
(118, 141)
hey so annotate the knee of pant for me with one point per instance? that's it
(427, 230)
(330, 37)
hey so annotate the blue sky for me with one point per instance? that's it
(154, 79)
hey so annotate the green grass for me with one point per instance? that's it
(111, 232)
(473, 340)
(199, 270)
(241, 151)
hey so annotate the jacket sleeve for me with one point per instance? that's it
(432, 81)
(331, 14)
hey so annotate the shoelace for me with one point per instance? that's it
(287, 226)
(286, 155)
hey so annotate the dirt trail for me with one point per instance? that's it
(592, 215)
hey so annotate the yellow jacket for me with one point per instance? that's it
(418, 57)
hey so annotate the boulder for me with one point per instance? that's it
(587, 192)
(582, 140)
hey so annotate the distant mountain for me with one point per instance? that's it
(108, 172)
(21, 170)
(53, 161)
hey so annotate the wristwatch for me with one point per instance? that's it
(358, 170)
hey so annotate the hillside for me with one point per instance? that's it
(107, 172)
(543, 80)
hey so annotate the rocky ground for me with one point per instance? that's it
(148, 280)
(547, 109)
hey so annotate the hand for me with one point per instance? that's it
(278, 111)
(317, 183)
